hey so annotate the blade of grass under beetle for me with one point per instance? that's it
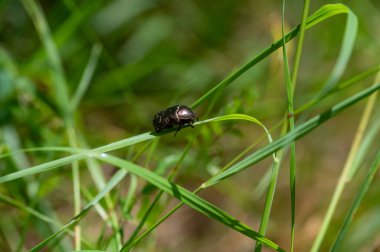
(295, 134)
(257, 156)
(109, 186)
(81, 155)
(36, 149)
(320, 15)
(188, 198)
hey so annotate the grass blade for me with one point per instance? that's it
(259, 155)
(76, 157)
(189, 198)
(59, 83)
(350, 33)
(359, 198)
(166, 186)
(344, 176)
(110, 185)
(86, 77)
(82, 154)
(320, 15)
(290, 87)
(7, 200)
(345, 84)
(292, 135)
(365, 146)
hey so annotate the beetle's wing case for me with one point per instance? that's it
(161, 121)
(172, 114)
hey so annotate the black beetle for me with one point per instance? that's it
(178, 115)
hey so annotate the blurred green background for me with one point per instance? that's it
(155, 54)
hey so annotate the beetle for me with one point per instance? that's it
(179, 115)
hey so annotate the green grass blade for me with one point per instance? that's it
(325, 12)
(345, 84)
(299, 131)
(275, 168)
(270, 194)
(320, 15)
(66, 30)
(291, 86)
(345, 52)
(60, 93)
(115, 180)
(129, 199)
(261, 154)
(189, 198)
(13, 141)
(344, 176)
(86, 77)
(291, 81)
(113, 146)
(7, 200)
(365, 146)
(271, 148)
(355, 161)
(162, 219)
(129, 243)
(359, 198)
(82, 155)
(292, 135)
(357, 78)
(59, 83)
(240, 117)
(157, 223)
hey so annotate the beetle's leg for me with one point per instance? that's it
(178, 129)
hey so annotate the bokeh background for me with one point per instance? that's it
(155, 54)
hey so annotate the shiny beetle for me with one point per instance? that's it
(179, 115)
